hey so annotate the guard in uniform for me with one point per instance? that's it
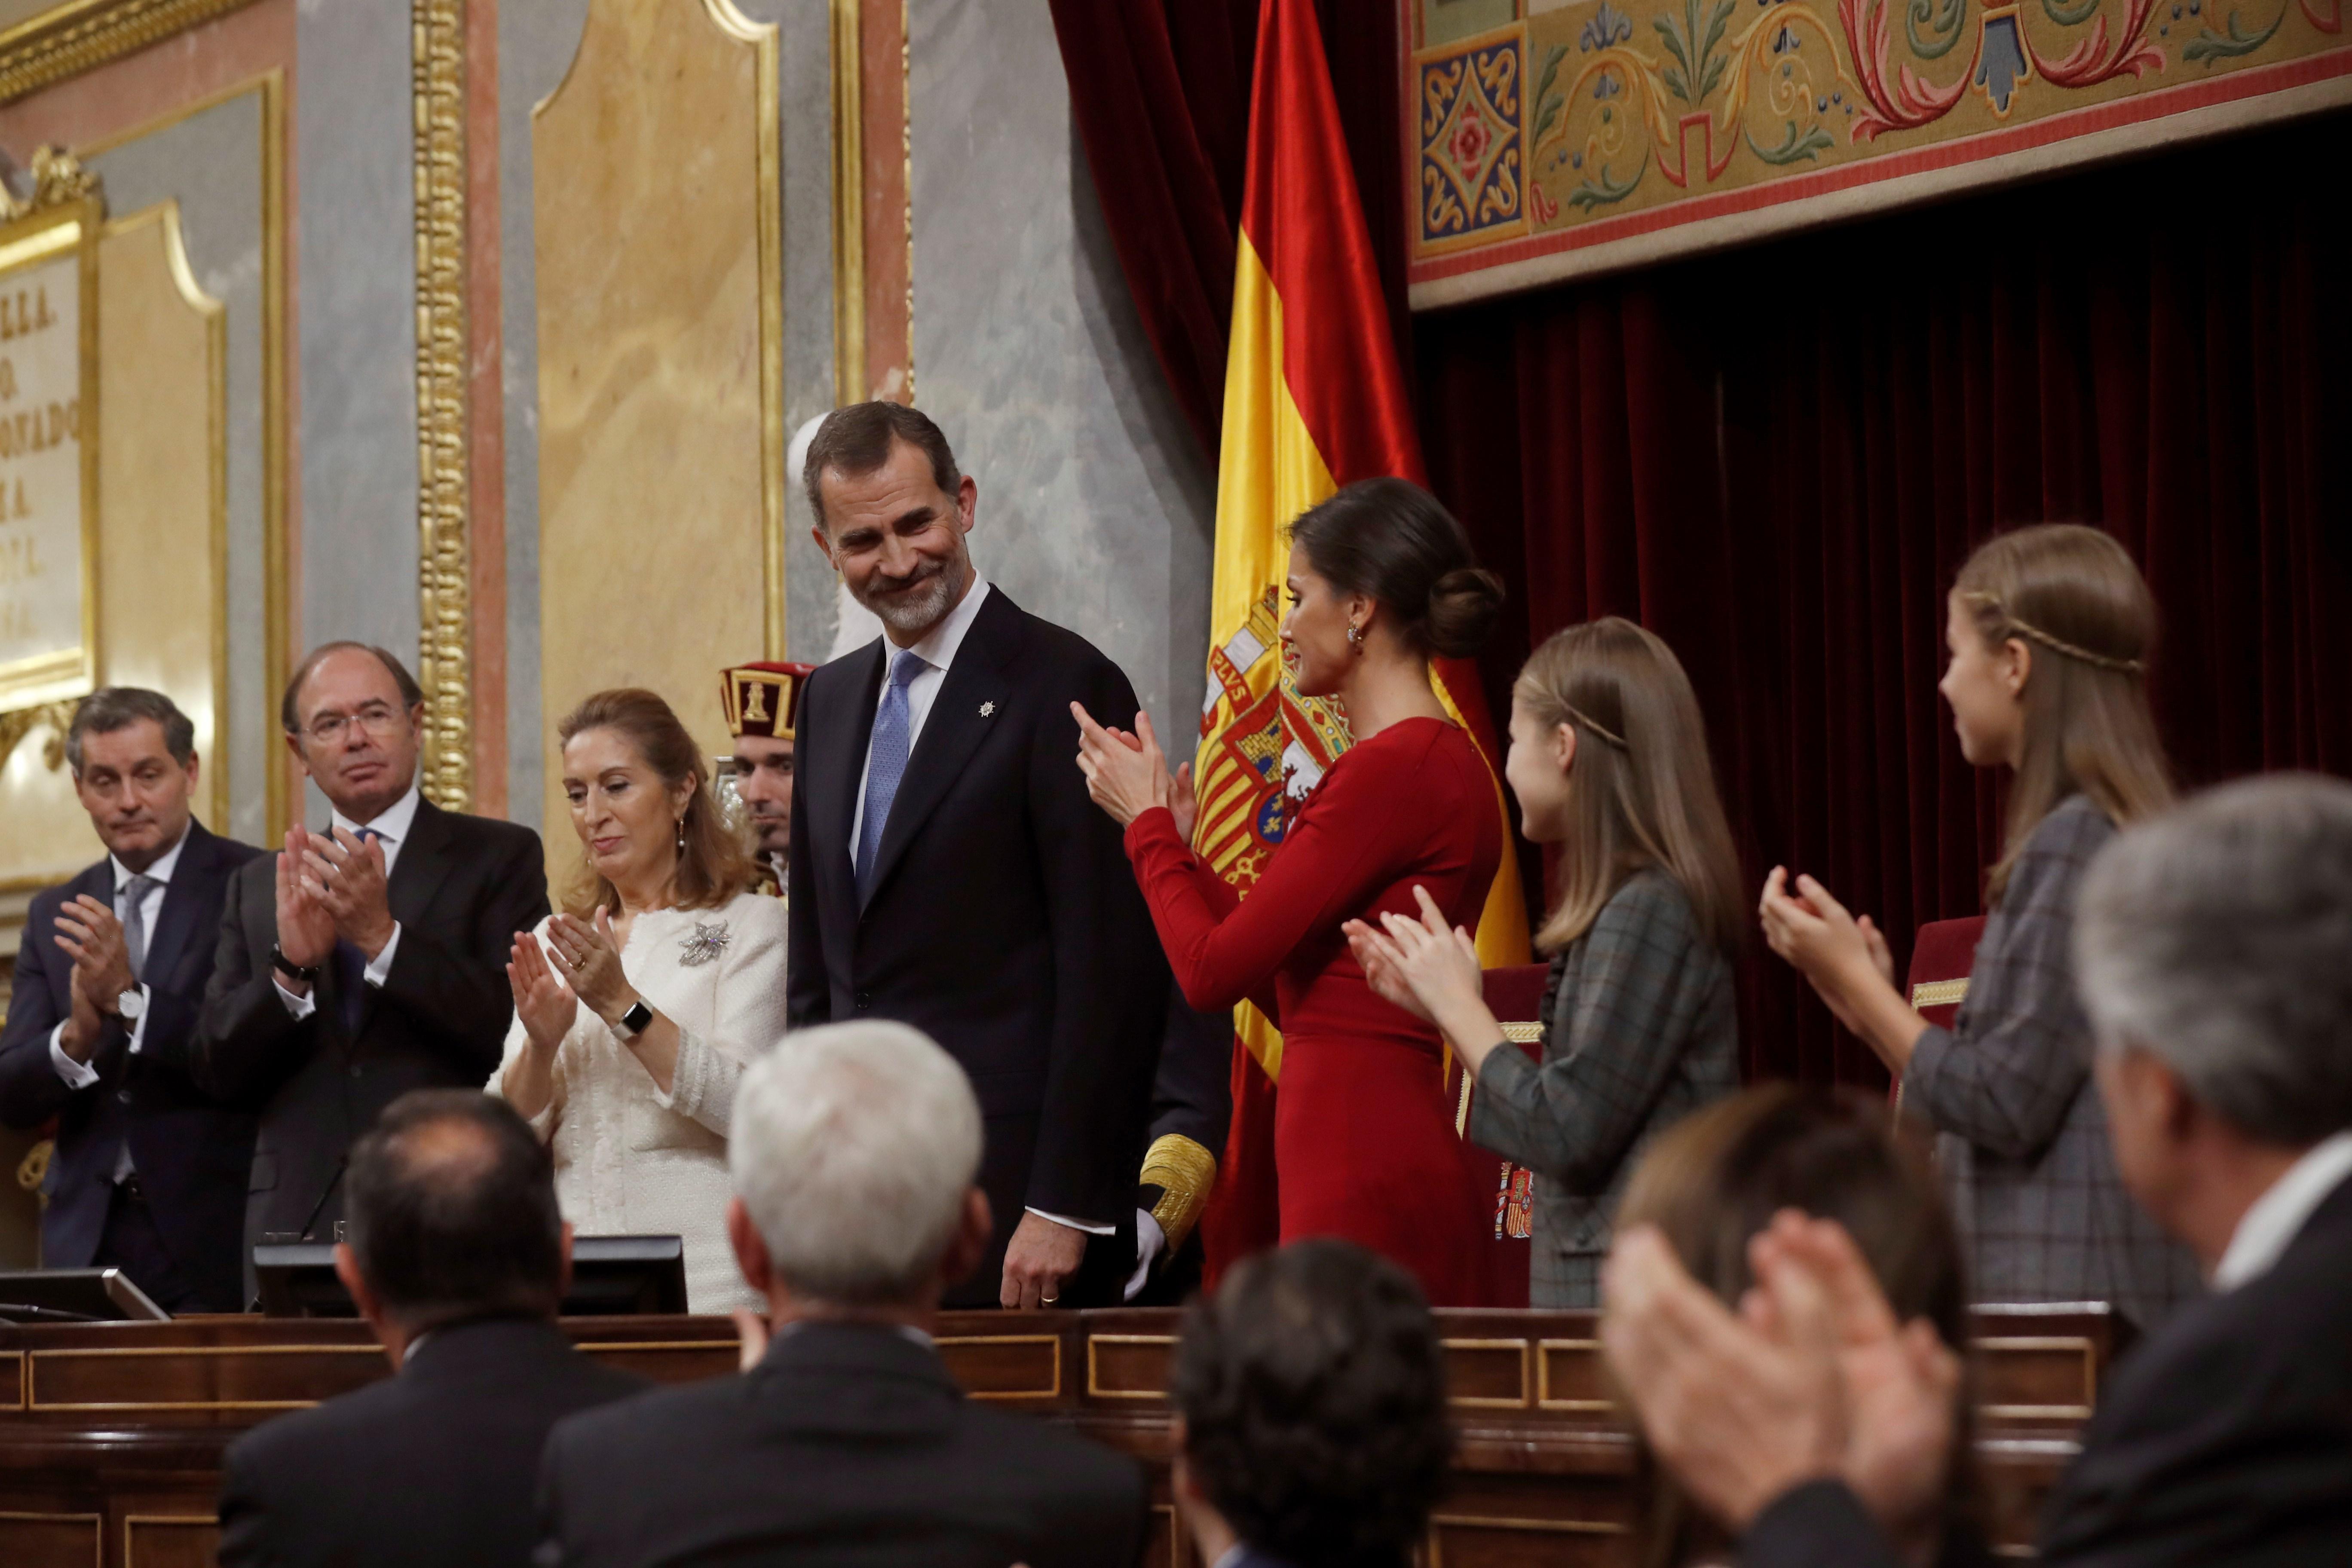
(763, 703)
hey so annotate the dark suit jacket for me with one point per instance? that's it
(1002, 921)
(192, 1154)
(435, 1465)
(848, 1443)
(462, 888)
(2225, 1437)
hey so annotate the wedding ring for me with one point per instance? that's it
(1047, 1301)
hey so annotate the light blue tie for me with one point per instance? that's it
(885, 764)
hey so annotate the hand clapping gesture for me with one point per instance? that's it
(1127, 775)
(544, 1004)
(344, 875)
(590, 961)
(1430, 970)
(88, 933)
(1845, 959)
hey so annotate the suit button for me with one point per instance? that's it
(123, 1094)
(865, 1000)
(355, 1069)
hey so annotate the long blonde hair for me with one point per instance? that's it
(713, 864)
(2072, 596)
(1642, 792)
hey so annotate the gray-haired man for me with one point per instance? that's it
(854, 1149)
(2212, 947)
(149, 1173)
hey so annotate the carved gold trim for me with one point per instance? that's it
(1185, 1172)
(82, 34)
(848, 206)
(1094, 1390)
(22, 721)
(2027, 1344)
(444, 641)
(1940, 992)
(14, 1379)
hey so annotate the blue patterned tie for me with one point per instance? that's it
(351, 968)
(886, 764)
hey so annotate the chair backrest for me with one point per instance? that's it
(1941, 957)
(1504, 1215)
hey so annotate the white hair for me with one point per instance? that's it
(2219, 937)
(852, 1146)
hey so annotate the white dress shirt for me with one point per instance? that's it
(81, 1074)
(937, 651)
(2276, 1218)
(391, 830)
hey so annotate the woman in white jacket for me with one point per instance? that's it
(638, 1005)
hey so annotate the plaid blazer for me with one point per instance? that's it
(1639, 1032)
(2023, 1137)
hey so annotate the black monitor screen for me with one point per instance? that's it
(610, 1274)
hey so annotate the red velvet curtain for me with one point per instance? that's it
(1775, 457)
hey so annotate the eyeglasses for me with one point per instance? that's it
(375, 718)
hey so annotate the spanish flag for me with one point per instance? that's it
(1314, 399)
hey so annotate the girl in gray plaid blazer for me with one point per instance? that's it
(1609, 760)
(2050, 630)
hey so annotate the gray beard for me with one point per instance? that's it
(914, 612)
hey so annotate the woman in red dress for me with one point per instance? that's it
(1380, 577)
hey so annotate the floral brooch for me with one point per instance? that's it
(707, 943)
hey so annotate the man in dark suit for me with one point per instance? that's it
(365, 961)
(947, 869)
(853, 1149)
(457, 1259)
(148, 1173)
(1192, 1107)
(2210, 949)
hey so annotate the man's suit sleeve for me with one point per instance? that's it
(1110, 979)
(247, 1043)
(243, 1510)
(174, 1017)
(1820, 1524)
(30, 1089)
(808, 991)
(454, 983)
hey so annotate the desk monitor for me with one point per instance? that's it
(610, 1274)
(75, 1296)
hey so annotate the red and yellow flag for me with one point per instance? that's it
(1314, 399)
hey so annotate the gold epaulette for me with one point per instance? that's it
(1184, 1171)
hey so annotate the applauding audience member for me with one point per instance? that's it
(854, 1149)
(1710, 1190)
(2212, 947)
(1609, 760)
(2050, 631)
(457, 1259)
(362, 961)
(148, 1175)
(1310, 1401)
(637, 1008)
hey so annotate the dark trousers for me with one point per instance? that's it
(132, 1243)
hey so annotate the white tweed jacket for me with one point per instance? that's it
(631, 1161)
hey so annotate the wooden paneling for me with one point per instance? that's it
(170, 1541)
(50, 1540)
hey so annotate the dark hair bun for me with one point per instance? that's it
(1464, 607)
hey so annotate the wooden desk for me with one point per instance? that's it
(111, 1436)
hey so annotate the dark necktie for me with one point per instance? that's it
(350, 969)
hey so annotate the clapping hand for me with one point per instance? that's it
(544, 1004)
(1127, 775)
(89, 932)
(345, 874)
(1427, 967)
(306, 927)
(590, 960)
(1836, 953)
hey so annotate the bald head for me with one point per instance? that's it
(451, 1211)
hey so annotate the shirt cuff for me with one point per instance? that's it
(77, 1075)
(381, 967)
(1089, 1228)
(139, 1029)
(1148, 1241)
(300, 1007)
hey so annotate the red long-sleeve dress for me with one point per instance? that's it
(1364, 1145)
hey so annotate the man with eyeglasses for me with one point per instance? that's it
(366, 961)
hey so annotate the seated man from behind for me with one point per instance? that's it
(854, 1151)
(458, 1259)
(1311, 1398)
(2210, 947)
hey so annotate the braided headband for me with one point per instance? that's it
(2057, 645)
(1581, 716)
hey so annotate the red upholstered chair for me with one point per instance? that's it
(1504, 1213)
(1941, 958)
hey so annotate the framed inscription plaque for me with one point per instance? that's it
(49, 441)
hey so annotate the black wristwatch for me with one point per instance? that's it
(307, 974)
(635, 1021)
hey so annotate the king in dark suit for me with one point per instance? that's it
(363, 963)
(148, 1172)
(948, 870)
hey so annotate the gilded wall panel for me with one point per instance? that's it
(656, 235)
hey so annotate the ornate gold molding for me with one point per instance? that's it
(81, 35)
(22, 721)
(444, 556)
(848, 205)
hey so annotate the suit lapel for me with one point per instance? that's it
(191, 885)
(972, 701)
(834, 780)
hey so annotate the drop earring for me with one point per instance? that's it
(1356, 637)
(681, 835)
